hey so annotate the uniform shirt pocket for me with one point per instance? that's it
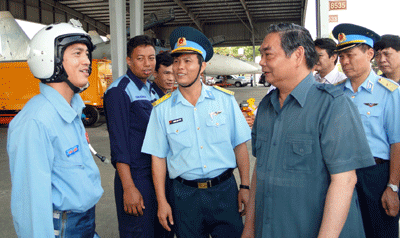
(371, 115)
(217, 130)
(179, 136)
(299, 153)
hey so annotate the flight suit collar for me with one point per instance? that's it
(67, 112)
(139, 84)
(157, 90)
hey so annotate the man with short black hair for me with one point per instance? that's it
(387, 56)
(163, 76)
(378, 103)
(327, 59)
(127, 104)
(304, 178)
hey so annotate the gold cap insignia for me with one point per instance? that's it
(341, 37)
(182, 41)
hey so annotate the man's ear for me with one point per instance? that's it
(333, 58)
(203, 67)
(299, 55)
(370, 54)
(128, 61)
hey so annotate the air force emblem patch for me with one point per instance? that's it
(72, 150)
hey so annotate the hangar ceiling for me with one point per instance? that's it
(235, 20)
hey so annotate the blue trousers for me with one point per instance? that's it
(199, 213)
(147, 225)
(74, 225)
(371, 183)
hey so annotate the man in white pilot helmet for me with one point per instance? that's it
(55, 181)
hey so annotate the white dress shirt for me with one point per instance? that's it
(332, 78)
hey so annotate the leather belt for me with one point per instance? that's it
(380, 161)
(208, 183)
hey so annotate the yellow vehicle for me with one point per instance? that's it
(18, 86)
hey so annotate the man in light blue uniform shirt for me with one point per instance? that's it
(55, 181)
(199, 134)
(378, 102)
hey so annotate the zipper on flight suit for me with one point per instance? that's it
(64, 220)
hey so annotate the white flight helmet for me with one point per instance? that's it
(47, 47)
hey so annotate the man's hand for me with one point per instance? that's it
(390, 202)
(249, 119)
(243, 199)
(133, 202)
(165, 215)
(248, 232)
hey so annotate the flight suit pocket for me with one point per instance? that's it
(299, 156)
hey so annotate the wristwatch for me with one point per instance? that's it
(395, 188)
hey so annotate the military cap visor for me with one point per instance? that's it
(190, 40)
(350, 35)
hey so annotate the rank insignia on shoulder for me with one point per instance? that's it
(340, 82)
(162, 99)
(388, 84)
(224, 90)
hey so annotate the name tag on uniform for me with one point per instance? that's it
(175, 121)
(72, 150)
(141, 96)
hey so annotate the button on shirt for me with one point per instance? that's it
(198, 141)
(332, 78)
(380, 113)
(50, 162)
(127, 104)
(316, 133)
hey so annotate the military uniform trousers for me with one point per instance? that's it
(147, 225)
(371, 183)
(200, 212)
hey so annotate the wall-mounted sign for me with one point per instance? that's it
(333, 18)
(337, 5)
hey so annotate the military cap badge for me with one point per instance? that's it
(341, 37)
(182, 41)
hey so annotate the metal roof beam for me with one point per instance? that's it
(243, 2)
(190, 14)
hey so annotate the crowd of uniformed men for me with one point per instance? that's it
(326, 146)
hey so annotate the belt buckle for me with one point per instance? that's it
(203, 185)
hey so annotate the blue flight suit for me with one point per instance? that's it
(51, 166)
(298, 147)
(379, 108)
(127, 104)
(198, 143)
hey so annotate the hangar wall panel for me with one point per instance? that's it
(47, 17)
(32, 14)
(17, 9)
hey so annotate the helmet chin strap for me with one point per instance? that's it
(64, 78)
(186, 86)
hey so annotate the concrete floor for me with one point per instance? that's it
(106, 218)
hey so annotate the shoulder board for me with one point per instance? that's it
(388, 84)
(340, 82)
(224, 90)
(331, 89)
(162, 99)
